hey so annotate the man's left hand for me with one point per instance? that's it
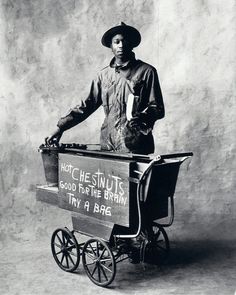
(138, 121)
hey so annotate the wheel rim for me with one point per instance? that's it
(159, 247)
(99, 262)
(65, 249)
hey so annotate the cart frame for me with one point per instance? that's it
(115, 243)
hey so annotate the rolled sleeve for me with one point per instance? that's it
(83, 110)
(155, 107)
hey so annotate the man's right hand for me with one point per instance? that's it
(54, 138)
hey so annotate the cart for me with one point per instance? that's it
(122, 203)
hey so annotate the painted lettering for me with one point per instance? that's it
(74, 173)
(102, 209)
(67, 186)
(86, 205)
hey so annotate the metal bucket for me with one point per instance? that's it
(50, 164)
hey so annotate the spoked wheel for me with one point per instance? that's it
(158, 248)
(99, 262)
(65, 249)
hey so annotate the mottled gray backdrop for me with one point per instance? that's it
(49, 52)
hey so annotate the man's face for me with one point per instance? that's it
(120, 46)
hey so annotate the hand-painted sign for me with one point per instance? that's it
(95, 187)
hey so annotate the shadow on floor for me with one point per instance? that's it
(189, 252)
(187, 259)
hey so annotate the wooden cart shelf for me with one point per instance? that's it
(47, 194)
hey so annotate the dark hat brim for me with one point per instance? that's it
(132, 34)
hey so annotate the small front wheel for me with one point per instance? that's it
(65, 249)
(99, 262)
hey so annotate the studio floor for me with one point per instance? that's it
(197, 267)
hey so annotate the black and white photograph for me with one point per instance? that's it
(118, 145)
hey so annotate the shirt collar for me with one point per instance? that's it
(125, 65)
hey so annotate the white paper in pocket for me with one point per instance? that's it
(129, 107)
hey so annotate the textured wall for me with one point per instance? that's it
(50, 50)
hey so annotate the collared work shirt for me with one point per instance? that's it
(111, 88)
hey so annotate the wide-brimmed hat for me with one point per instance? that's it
(131, 33)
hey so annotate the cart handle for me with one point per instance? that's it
(157, 159)
(141, 182)
(177, 155)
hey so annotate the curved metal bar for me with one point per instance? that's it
(140, 197)
(172, 212)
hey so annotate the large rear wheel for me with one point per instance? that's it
(158, 248)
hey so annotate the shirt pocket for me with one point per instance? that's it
(137, 86)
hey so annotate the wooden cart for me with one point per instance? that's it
(117, 200)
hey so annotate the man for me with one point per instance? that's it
(130, 93)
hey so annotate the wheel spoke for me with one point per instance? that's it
(60, 239)
(90, 256)
(105, 259)
(97, 249)
(92, 250)
(63, 239)
(62, 258)
(59, 252)
(95, 267)
(69, 241)
(91, 263)
(104, 266)
(67, 261)
(162, 248)
(157, 234)
(99, 273)
(159, 241)
(102, 253)
(72, 253)
(71, 259)
(104, 273)
(70, 247)
(59, 246)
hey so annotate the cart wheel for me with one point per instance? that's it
(158, 248)
(65, 249)
(99, 262)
